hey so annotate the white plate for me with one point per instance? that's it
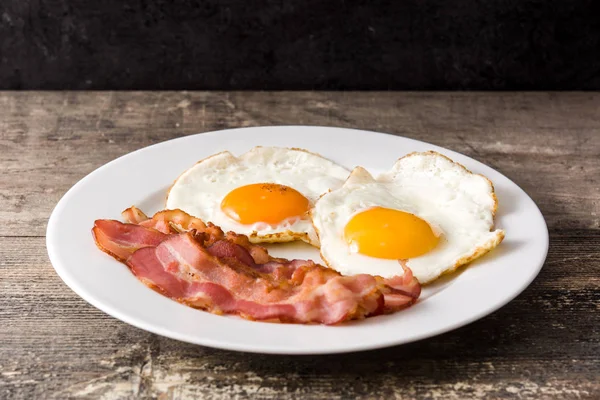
(142, 178)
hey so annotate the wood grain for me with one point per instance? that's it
(544, 344)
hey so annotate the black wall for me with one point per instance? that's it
(310, 44)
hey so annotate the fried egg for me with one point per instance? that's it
(265, 193)
(427, 210)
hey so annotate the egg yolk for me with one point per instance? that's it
(264, 202)
(386, 233)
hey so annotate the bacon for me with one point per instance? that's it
(228, 249)
(177, 221)
(122, 240)
(224, 273)
(134, 215)
(184, 270)
(400, 291)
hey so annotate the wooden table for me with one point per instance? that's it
(544, 344)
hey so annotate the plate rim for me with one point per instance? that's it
(97, 303)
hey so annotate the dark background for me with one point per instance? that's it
(310, 44)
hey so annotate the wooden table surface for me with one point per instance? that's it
(544, 344)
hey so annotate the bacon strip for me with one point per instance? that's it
(122, 240)
(400, 291)
(184, 270)
(225, 273)
(134, 215)
(177, 221)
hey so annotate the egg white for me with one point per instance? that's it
(458, 205)
(200, 190)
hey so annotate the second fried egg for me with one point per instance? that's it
(427, 210)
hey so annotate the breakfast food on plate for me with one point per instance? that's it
(197, 264)
(381, 238)
(265, 193)
(427, 210)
